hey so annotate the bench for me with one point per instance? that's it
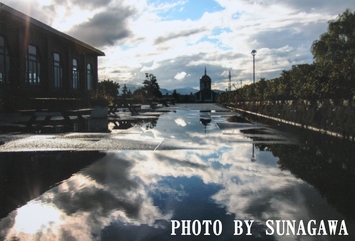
(119, 103)
(46, 115)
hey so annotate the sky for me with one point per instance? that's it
(175, 40)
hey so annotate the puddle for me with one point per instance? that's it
(188, 166)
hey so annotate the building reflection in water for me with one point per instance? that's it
(205, 119)
(27, 175)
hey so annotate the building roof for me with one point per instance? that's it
(33, 21)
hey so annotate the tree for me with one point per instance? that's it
(109, 87)
(139, 95)
(334, 53)
(176, 96)
(124, 90)
(305, 82)
(261, 88)
(151, 86)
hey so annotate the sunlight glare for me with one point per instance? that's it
(35, 216)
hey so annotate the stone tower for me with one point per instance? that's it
(205, 81)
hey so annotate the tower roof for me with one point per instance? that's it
(205, 77)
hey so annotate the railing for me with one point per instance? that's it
(333, 116)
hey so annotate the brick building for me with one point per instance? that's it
(37, 61)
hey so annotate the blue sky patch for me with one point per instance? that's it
(192, 9)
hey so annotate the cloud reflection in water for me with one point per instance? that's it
(120, 188)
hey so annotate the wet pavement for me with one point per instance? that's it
(194, 170)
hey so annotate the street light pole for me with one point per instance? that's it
(253, 52)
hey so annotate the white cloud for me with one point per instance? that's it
(180, 75)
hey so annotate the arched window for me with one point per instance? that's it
(75, 84)
(4, 62)
(89, 77)
(33, 66)
(57, 71)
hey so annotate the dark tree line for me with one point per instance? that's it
(108, 90)
(331, 75)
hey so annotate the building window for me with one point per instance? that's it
(4, 62)
(75, 74)
(33, 69)
(57, 71)
(89, 77)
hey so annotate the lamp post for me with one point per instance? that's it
(253, 52)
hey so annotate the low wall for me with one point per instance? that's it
(335, 117)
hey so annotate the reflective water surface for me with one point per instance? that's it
(208, 164)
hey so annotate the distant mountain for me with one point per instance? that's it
(189, 90)
(181, 91)
(130, 87)
(219, 91)
(185, 91)
(165, 91)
